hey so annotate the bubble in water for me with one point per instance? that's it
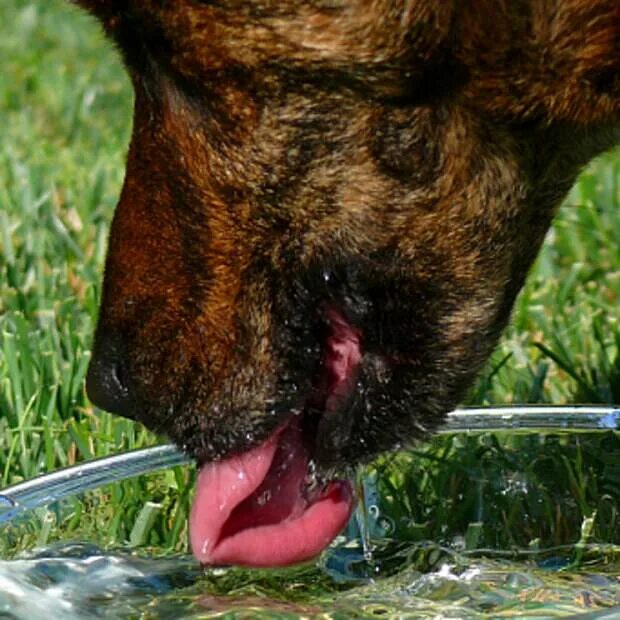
(387, 525)
(515, 484)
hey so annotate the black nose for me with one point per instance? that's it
(107, 380)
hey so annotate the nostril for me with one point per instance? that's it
(108, 380)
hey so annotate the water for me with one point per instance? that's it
(82, 581)
(512, 512)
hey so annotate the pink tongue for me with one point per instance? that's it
(251, 510)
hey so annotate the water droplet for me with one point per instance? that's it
(361, 516)
(263, 498)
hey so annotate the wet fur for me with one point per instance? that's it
(398, 160)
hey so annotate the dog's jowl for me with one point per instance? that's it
(329, 208)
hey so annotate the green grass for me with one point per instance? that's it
(505, 492)
(65, 107)
(563, 344)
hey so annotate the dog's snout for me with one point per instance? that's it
(107, 381)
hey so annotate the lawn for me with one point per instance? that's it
(65, 105)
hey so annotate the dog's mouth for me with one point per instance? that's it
(267, 507)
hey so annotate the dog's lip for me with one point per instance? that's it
(251, 509)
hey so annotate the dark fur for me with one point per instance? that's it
(398, 160)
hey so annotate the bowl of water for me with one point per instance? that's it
(507, 512)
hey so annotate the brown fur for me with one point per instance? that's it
(399, 160)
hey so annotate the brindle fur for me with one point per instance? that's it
(398, 160)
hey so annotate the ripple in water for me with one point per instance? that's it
(82, 581)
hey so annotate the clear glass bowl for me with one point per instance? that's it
(507, 511)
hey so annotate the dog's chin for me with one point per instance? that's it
(271, 505)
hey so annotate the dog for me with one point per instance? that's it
(328, 210)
